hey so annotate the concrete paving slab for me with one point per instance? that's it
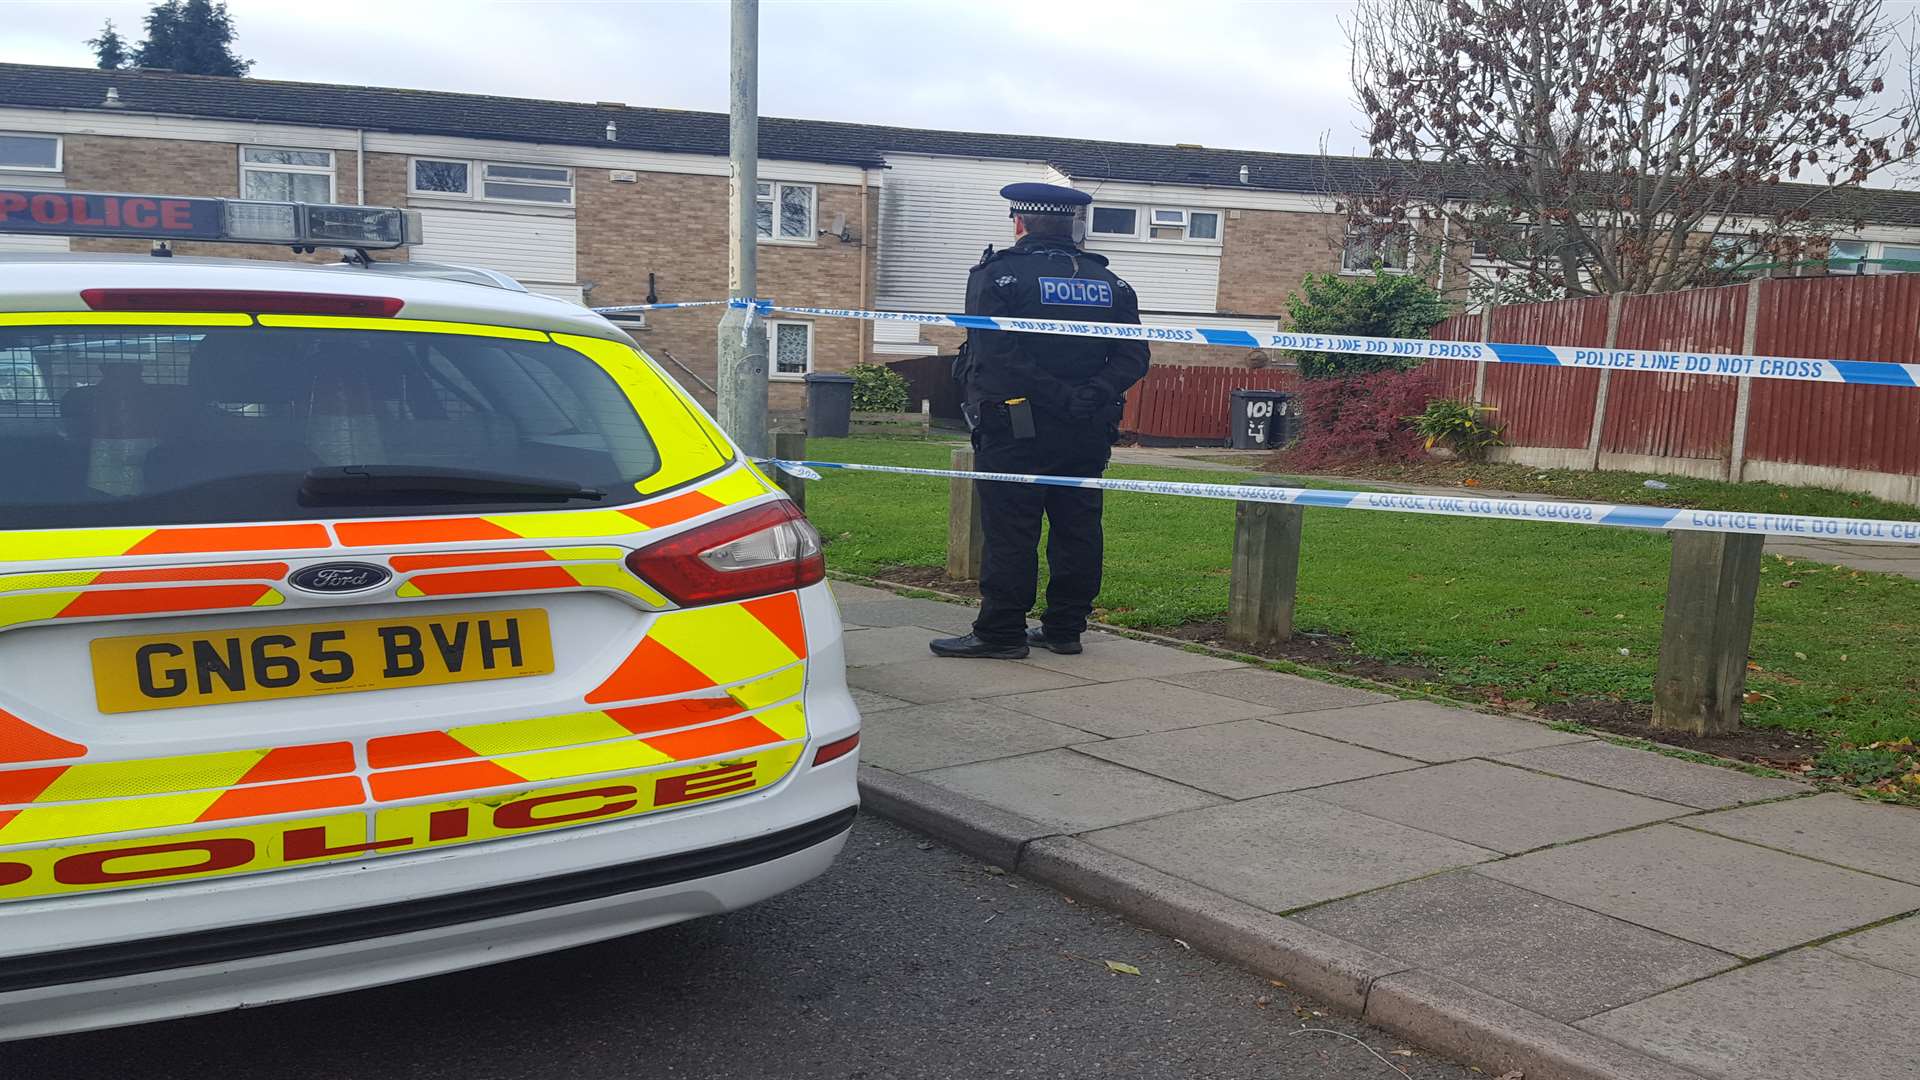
(1070, 791)
(905, 611)
(1802, 1015)
(1709, 890)
(1644, 772)
(1497, 806)
(1278, 692)
(1283, 852)
(888, 645)
(1895, 945)
(935, 679)
(1835, 828)
(1133, 707)
(869, 702)
(1536, 952)
(1245, 759)
(922, 737)
(1109, 658)
(1421, 729)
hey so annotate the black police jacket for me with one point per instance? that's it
(1048, 278)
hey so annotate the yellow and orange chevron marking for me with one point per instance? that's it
(756, 650)
(29, 607)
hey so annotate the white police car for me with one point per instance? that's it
(363, 622)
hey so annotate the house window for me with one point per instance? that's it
(790, 348)
(1845, 256)
(1203, 225)
(1168, 225)
(1114, 221)
(548, 184)
(30, 153)
(790, 205)
(1898, 259)
(1366, 246)
(284, 175)
(432, 176)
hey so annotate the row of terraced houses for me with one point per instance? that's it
(607, 203)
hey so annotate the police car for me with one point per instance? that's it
(369, 621)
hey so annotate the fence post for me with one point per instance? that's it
(1702, 674)
(1614, 304)
(1743, 394)
(966, 540)
(1266, 569)
(790, 446)
(1480, 368)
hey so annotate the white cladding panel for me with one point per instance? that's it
(526, 246)
(1177, 280)
(937, 215)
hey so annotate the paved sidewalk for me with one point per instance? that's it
(1515, 896)
(1902, 559)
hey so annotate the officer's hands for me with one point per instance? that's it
(1086, 400)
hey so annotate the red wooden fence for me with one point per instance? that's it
(1176, 402)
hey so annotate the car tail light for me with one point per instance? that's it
(768, 549)
(251, 301)
(838, 748)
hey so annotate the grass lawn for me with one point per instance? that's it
(1538, 612)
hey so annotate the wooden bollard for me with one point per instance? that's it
(1266, 571)
(791, 446)
(966, 539)
(1712, 585)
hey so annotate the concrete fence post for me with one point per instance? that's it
(966, 539)
(1702, 674)
(1614, 304)
(1743, 394)
(791, 446)
(1266, 571)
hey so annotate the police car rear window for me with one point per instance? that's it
(161, 425)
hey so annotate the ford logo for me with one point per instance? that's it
(339, 577)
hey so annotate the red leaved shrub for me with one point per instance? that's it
(1360, 418)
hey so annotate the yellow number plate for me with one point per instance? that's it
(172, 671)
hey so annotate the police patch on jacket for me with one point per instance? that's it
(1078, 292)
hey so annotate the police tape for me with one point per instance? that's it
(623, 309)
(1626, 516)
(1671, 362)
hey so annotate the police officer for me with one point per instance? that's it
(1042, 403)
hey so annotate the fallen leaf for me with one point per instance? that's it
(1843, 658)
(1262, 1001)
(925, 845)
(1119, 968)
(995, 871)
(1514, 1075)
(1751, 666)
(1182, 944)
(1799, 656)
(1401, 1053)
(1790, 583)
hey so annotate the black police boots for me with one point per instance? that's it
(971, 646)
(1037, 637)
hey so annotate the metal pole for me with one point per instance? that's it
(742, 353)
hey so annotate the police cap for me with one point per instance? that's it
(1044, 199)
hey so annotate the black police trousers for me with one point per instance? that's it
(1010, 515)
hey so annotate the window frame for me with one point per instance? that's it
(59, 152)
(1406, 254)
(773, 199)
(413, 177)
(478, 183)
(331, 171)
(1136, 211)
(773, 356)
(1218, 225)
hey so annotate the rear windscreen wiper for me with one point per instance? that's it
(401, 483)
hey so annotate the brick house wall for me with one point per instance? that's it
(209, 169)
(675, 226)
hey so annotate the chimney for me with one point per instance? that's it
(113, 100)
(613, 132)
(1243, 174)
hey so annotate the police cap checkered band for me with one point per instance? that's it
(1044, 199)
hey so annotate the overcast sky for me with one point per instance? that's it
(1269, 75)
